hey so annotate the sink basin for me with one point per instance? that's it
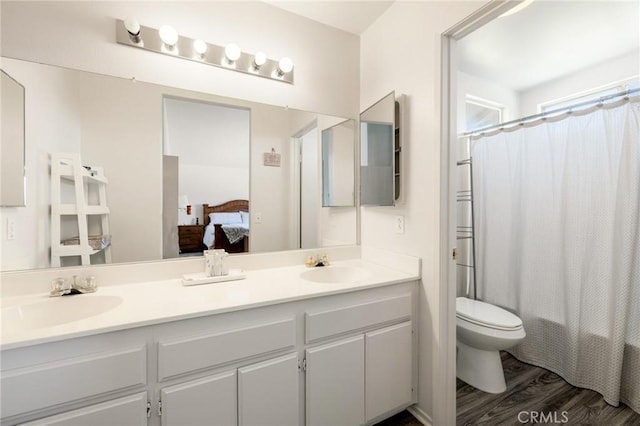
(55, 311)
(335, 274)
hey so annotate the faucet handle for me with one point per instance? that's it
(85, 285)
(90, 284)
(59, 287)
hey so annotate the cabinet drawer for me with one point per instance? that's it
(190, 231)
(338, 321)
(185, 355)
(129, 411)
(49, 384)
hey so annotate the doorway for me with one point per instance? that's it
(485, 100)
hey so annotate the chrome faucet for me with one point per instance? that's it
(63, 286)
(317, 261)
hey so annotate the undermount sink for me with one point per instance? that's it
(56, 311)
(335, 274)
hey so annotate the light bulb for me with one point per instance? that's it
(232, 52)
(259, 59)
(132, 26)
(168, 35)
(200, 47)
(284, 66)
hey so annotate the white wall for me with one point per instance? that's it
(600, 75)
(401, 52)
(131, 154)
(270, 185)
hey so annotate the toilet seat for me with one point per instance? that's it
(486, 315)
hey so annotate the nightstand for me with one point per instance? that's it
(190, 238)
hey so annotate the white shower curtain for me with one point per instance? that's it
(557, 209)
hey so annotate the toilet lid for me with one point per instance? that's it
(486, 314)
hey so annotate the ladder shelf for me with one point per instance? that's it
(88, 211)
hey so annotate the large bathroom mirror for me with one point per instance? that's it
(338, 155)
(12, 186)
(166, 153)
(377, 146)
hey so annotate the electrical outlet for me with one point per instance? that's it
(258, 218)
(399, 224)
(11, 229)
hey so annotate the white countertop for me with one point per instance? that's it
(155, 302)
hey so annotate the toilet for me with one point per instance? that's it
(482, 331)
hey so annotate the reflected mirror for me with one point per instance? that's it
(337, 165)
(12, 189)
(377, 124)
(166, 153)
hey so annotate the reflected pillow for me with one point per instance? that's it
(225, 218)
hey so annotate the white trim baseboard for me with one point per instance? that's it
(420, 415)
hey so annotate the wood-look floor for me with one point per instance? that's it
(534, 389)
(530, 389)
(403, 418)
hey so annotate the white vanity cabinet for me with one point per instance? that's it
(245, 392)
(360, 379)
(85, 381)
(265, 394)
(342, 359)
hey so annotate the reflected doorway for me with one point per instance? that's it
(308, 148)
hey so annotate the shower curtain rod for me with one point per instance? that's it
(599, 102)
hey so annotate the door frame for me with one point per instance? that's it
(444, 402)
(296, 141)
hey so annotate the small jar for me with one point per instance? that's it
(209, 262)
(224, 266)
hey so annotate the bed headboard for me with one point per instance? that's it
(229, 206)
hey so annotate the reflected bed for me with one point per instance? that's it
(227, 226)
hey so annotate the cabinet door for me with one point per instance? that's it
(208, 401)
(268, 392)
(388, 357)
(335, 383)
(127, 411)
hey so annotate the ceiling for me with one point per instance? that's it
(551, 39)
(351, 16)
(547, 40)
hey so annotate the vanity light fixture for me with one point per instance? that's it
(166, 40)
